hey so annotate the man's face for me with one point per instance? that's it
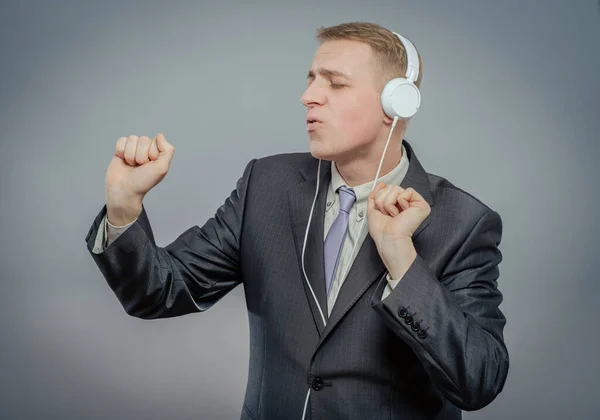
(343, 95)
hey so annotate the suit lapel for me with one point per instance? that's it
(368, 267)
(300, 198)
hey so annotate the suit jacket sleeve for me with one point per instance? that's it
(454, 324)
(189, 275)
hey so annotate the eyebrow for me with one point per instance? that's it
(327, 73)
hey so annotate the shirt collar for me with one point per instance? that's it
(394, 177)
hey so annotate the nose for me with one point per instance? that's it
(312, 96)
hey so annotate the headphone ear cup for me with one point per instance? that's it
(400, 97)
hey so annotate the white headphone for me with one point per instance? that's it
(401, 97)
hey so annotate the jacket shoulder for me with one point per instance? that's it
(284, 165)
(295, 159)
(448, 194)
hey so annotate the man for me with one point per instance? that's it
(397, 321)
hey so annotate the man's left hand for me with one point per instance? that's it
(393, 214)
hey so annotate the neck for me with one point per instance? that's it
(363, 168)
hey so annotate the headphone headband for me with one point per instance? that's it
(412, 58)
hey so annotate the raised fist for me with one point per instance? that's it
(137, 166)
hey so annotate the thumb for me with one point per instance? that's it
(165, 149)
(371, 199)
(370, 205)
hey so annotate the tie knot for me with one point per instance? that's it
(347, 198)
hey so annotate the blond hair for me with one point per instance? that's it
(387, 47)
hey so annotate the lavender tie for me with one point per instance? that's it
(337, 233)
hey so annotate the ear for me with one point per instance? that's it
(387, 120)
(401, 124)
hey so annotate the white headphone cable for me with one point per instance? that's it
(304, 245)
(356, 242)
(372, 188)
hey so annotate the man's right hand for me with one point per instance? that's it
(137, 166)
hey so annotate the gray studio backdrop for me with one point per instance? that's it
(511, 102)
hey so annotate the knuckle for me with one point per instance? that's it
(141, 159)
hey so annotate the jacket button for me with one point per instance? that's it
(422, 334)
(415, 326)
(402, 312)
(408, 320)
(317, 384)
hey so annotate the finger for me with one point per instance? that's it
(412, 198)
(390, 202)
(370, 205)
(403, 203)
(392, 210)
(153, 152)
(120, 147)
(377, 188)
(411, 194)
(395, 202)
(130, 149)
(371, 198)
(380, 200)
(141, 153)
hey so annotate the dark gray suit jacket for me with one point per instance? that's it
(434, 346)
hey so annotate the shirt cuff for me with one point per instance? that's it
(112, 232)
(120, 227)
(392, 283)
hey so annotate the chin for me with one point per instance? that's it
(318, 151)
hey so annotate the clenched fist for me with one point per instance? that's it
(394, 213)
(137, 166)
